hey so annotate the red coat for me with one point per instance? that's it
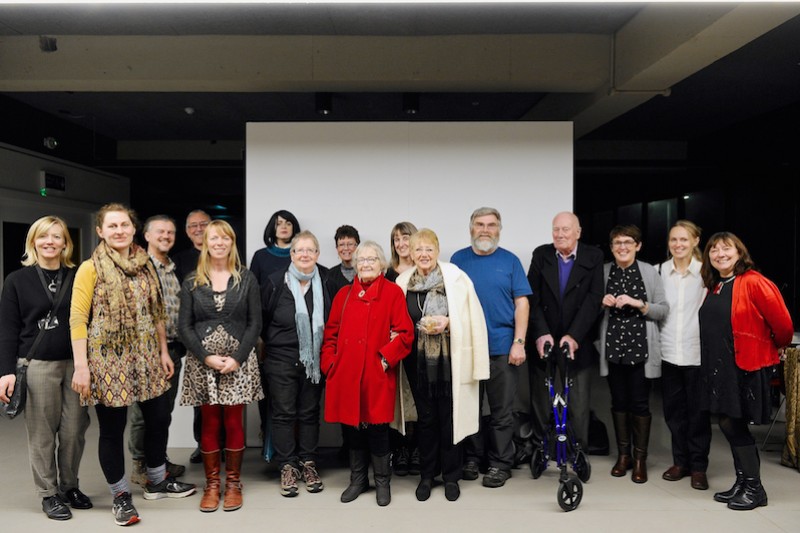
(760, 321)
(356, 336)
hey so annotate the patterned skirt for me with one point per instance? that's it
(203, 385)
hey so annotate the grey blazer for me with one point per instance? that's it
(658, 307)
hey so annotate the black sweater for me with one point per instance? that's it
(24, 302)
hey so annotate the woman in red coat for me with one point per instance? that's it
(743, 324)
(367, 334)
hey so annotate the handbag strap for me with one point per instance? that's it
(61, 292)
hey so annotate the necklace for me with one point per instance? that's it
(722, 283)
(52, 286)
(419, 304)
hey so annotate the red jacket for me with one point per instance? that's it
(356, 336)
(760, 321)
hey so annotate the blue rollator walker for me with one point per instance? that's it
(559, 437)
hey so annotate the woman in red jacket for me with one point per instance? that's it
(367, 334)
(743, 324)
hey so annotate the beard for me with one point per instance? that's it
(485, 244)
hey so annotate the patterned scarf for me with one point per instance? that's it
(309, 331)
(433, 351)
(115, 296)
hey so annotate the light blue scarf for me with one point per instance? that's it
(309, 332)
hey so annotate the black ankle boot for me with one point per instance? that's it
(751, 494)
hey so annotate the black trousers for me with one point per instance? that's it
(372, 437)
(437, 453)
(630, 389)
(690, 427)
(293, 400)
(501, 391)
(111, 448)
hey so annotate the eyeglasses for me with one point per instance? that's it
(368, 260)
(197, 225)
(304, 251)
(623, 244)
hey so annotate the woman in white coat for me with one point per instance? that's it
(449, 358)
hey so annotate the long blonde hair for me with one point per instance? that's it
(203, 275)
(39, 228)
(694, 232)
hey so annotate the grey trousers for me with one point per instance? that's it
(136, 419)
(56, 424)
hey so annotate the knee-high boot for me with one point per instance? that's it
(359, 475)
(382, 472)
(752, 493)
(623, 434)
(210, 501)
(641, 440)
(233, 484)
(725, 496)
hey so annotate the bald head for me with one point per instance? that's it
(566, 232)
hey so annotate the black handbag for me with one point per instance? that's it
(18, 398)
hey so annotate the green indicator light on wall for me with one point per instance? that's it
(43, 191)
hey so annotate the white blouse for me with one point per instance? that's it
(680, 331)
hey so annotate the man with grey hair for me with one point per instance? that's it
(159, 232)
(503, 291)
(567, 281)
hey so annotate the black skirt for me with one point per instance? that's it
(729, 390)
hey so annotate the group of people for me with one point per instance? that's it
(408, 342)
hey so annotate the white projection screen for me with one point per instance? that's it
(373, 175)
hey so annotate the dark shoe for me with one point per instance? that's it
(76, 499)
(496, 477)
(400, 462)
(751, 496)
(699, 481)
(451, 491)
(676, 473)
(470, 471)
(725, 496)
(174, 470)
(621, 467)
(196, 458)
(413, 462)
(382, 474)
(124, 512)
(641, 439)
(359, 471)
(424, 489)
(169, 488)
(55, 509)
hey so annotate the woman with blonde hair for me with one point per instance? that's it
(119, 341)
(219, 322)
(35, 303)
(680, 357)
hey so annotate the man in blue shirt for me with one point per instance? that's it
(502, 288)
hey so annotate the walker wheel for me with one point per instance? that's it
(582, 467)
(569, 495)
(538, 463)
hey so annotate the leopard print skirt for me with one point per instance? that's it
(203, 385)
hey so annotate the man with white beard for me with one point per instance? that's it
(503, 290)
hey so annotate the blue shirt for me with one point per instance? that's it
(499, 279)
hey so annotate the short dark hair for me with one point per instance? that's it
(344, 232)
(630, 230)
(269, 230)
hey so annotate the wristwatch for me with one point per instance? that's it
(519, 341)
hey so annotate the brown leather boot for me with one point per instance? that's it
(210, 501)
(233, 485)
(641, 439)
(623, 434)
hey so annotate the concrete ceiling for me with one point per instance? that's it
(631, 70)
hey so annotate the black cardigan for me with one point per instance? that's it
(23, 304)
(241, 315)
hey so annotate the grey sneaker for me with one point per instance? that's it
(496, 477)
(310, 474)
(289, 477)
(124, 512)
(139, 472)
(169, 488)
(470, 471)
